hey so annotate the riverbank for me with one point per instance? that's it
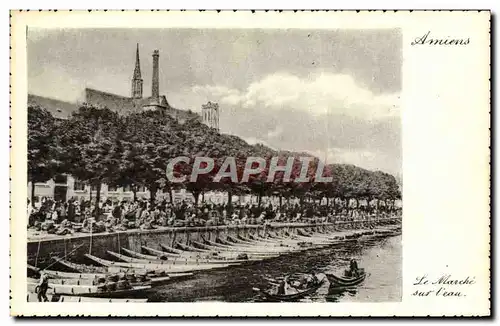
(380, 255)
(42, 247)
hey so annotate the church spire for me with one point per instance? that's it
(136, 79)
(137, 70)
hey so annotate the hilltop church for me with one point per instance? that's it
(136, 102)
(63, 187)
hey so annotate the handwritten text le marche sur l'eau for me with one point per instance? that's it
(442, 286)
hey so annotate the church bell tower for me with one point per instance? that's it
(136, 79)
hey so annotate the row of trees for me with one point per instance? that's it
(98, 146)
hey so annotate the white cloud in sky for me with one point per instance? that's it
(317, 94)
(254, 141)
(360, 157)
(275, 133)
(57, 83)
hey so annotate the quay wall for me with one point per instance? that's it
(74, 247)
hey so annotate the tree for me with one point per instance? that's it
(149, 140)
(43, 150)
(90, 146)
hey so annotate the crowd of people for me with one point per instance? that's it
(80, 215)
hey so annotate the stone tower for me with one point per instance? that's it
(210, 115)
(155, 86)
(136, 79)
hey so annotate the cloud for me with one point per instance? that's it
(318, 94)
(346, 155)
(371, 159)
(275, 133)
(284, 111)
(254, 141)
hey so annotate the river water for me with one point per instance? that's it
(381, 258)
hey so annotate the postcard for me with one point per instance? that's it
(250, 163)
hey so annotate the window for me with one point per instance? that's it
(60, 178)
(129, 188)
(93, 188)
(79, 185)
(112, 188)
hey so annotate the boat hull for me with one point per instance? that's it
(266, 295)
(337, 281)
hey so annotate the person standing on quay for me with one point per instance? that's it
(42, 288)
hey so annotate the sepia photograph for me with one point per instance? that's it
(249, 164)
(110, 109)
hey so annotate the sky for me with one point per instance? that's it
(332, 93)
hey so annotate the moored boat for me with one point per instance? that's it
(81, 268)
(67, 298)
(64, 275)
(148, 266)
(106, 290)
(186, 247)
(340, 282)
(272, 296)
(174, 261)
(139, 255)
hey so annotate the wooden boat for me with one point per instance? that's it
(81, 267)
(139, 255)
(173, 261)
(171, 249)
(304, 233)
(234, 249)
(112, 269)
(65, 275)
(187, 255)
(338, 281)
(269, 242)
(148, 266)
(225, 259)
(244, 239)
(319, 242)
(71, 281)
(277, 242)
(137, 260)
(156, 254)
(33, 297)
(89, 279)
(220, 244)
(287, 241)
(219, 249)
(236, 246)
(89, 290)
(268, 296)
(65, 298)
(206, 246)
(257, 237)
(222, 241)
(191, 248)
(236, 240)
(153, 251)
(263, 246)
(228, 252)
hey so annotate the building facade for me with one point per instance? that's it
(210, 115)
(64, 187)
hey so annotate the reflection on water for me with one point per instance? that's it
(381, 258)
